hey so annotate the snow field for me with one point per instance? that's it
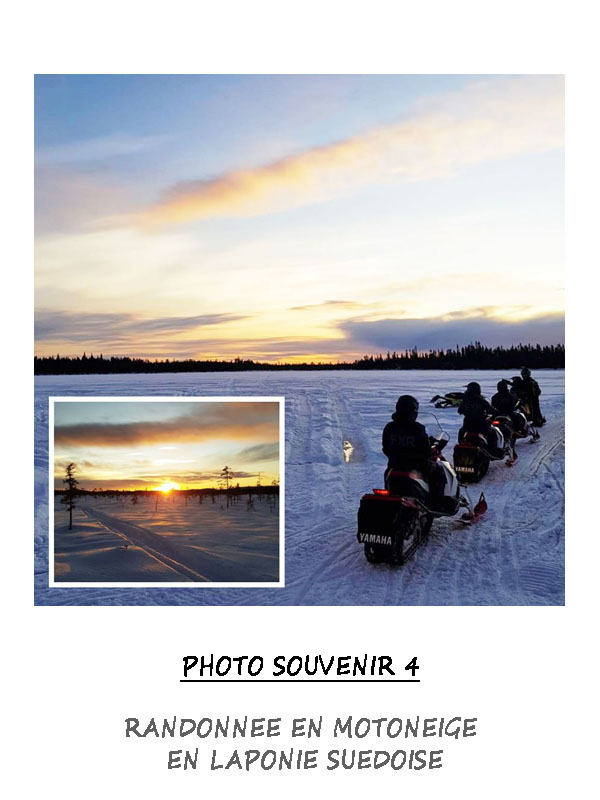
(176, 540)
(512, 556)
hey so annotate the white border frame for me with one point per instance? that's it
(162, 584)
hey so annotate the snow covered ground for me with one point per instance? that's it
(173, 540)
(512, 556)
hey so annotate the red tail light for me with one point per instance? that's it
(381, 491)
(496, 423)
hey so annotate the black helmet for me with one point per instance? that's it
(526, 372)
(407, 407)
(502, 386)
(473, 388)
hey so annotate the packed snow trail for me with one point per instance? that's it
(156, 546)
(514, 555)
(195, 562)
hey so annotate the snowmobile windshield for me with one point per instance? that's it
(434, 427)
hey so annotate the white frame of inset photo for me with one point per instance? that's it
(167, 584)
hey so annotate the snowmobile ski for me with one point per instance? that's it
(469, 517)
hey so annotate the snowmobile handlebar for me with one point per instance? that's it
(437, 445)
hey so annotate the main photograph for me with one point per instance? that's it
(383, 254)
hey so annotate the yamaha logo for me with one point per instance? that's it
(375, 538)
(465, 469)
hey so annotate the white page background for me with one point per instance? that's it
(72, 675)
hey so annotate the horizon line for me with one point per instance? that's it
(403, 353)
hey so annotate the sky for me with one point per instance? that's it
(293, 218)
(153, 445)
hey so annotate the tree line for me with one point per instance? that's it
(69, 494)
(471, 356)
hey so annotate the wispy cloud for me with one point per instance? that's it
(98, 148)
(115, 328)
(67, 199)
(259, 452)
(357, 336)
(491, 119)
(233, 421)
(327, 304)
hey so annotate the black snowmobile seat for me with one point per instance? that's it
(443, 504)
(407, 483)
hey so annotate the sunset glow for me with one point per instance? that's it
(298, 218)
(167, 486)
(166, 446)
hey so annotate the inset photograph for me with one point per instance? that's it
(166, 491)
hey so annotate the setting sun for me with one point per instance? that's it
(167, 486)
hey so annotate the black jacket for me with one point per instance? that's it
(531, 387)
(406, 444)
(504, 402)
(476, 410)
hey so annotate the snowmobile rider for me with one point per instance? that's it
(478, 414)
(408, 447)
(519, 391)
(504, 401)
(531, 391)
(517, 388)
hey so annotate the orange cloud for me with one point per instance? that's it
(488, 120)
(237, 421)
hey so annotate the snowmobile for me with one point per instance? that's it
(528, 427)
(449, 400)
(473, 453)
(525, 408)
(512, 428)
(530, 407)
(393, 522)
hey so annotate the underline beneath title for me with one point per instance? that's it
(298, 680)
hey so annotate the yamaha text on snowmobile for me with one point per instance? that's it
(475, 450)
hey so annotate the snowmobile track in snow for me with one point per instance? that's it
(513, 555)
(153, 545)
